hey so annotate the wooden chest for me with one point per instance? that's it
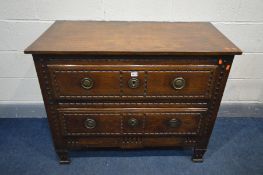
(132, 84)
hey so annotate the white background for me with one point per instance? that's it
(22, 21)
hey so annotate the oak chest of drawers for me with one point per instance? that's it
(132, 84)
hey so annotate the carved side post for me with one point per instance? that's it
(50, 106)
(224, 66)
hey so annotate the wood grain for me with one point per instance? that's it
(140, 38)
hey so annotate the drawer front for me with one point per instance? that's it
(135, 80)
(78, 124)
(173, 123)
(184, 83)
(95, 123)
(77, 84)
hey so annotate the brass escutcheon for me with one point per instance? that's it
(134, 83)
(133, 122)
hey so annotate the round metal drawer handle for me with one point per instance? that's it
(134, 83)
(87, 83)
(90, 123)
(178, 83)
(133, 122)
(174, 123)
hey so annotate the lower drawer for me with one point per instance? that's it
(147, 122)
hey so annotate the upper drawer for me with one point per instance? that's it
(136, 80)
(85, 83)
(189, 82)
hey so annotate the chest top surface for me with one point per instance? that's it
(140, 38)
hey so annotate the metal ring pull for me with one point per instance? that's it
(90, 123)
(178, 83)
(87, 83)
(174, 123)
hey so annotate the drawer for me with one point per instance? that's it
(78, 84)
(85, 123)
(134, 81)
(185, 123)
(80, 122)
(179, 83)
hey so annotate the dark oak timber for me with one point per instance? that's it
(132, 84)
(78, 37)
